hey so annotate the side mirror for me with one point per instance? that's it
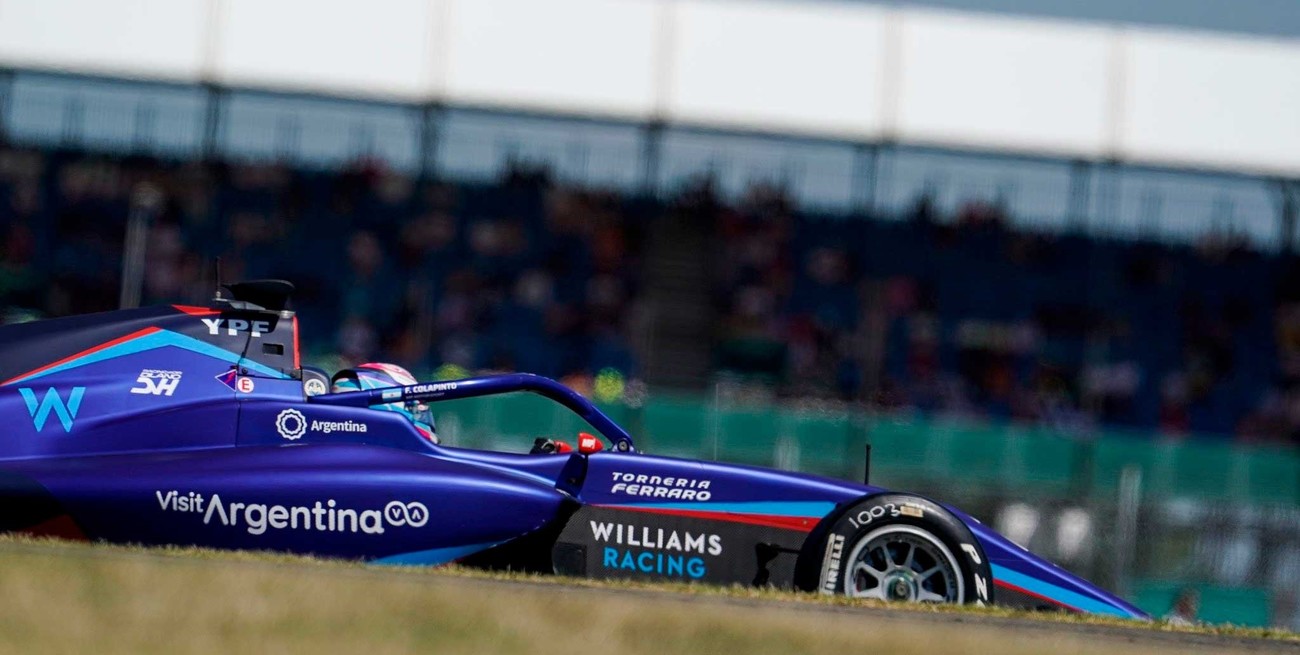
(588, 444)
(544, 446)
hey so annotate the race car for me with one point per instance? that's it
(198, 426)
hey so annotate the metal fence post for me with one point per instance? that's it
(6, 102)
(1081, 475)
(145, 202)
(866, 164)
(715, 419)
(74, 123)
(1287, 209)
(211, 121)
(1130, 499)
(651, 155)
(430, 140)
(142, 136)
(1080, 195)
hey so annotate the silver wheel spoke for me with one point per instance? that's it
(877, 593)
(861, 567)
(884, 555)
(889, 557)
(930, 597)
(886, 565)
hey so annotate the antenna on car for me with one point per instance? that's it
(218, 296)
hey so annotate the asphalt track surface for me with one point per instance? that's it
(1015, 627)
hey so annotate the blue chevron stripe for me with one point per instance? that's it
(1048, 590)
(153, 341)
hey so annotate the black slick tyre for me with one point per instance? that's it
(901, 547)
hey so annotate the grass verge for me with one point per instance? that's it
(68, 597)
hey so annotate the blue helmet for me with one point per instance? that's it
(379, 376)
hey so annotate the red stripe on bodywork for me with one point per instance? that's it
(196, 311)
(799, 523)
(1027, 592)
(296, 359)
(107, 344)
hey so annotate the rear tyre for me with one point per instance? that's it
(898, 547)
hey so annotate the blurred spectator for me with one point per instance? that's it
(496, 275)
(980, 320)
(956, 315)
(1185, 609)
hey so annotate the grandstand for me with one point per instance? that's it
(940, 314)
(1026, 253)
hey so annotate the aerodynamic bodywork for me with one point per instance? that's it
(199, 426)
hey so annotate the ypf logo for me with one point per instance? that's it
(291, 424)
(413, 514)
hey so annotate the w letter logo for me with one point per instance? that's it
(53, 402)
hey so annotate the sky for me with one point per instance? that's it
(1265, 17)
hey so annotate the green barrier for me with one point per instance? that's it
(673, 426)
(1111, 456)
(1245, 606)
(748, 436)
(972, 455)
(1045, 459)
(1205, 470)
(827, 443)
(900, 449)
(1273, 475)
(996, 458)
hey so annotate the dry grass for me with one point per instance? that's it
(76, 598)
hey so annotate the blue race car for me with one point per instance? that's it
(198, 426)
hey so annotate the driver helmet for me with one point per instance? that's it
(378, 376)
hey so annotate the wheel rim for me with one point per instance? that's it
(903, 563)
